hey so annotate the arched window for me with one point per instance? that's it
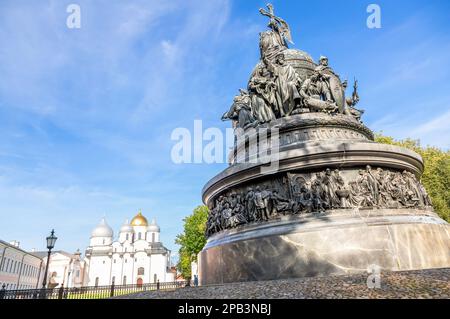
(127, 237)
(139, 236)
(124, 280)
(103, 241)
(140, 271)
(113, 280)
(155, 278)
(153, 237)
(96, 282)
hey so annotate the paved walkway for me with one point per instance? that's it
(413, 284)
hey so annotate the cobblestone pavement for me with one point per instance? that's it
(433, 283)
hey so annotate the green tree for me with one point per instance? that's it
(192, 240)
(436, 176)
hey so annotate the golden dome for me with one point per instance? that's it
(139, 220)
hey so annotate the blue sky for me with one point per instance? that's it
(86, 114)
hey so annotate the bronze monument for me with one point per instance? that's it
(338, 202)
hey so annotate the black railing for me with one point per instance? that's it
(89, 292)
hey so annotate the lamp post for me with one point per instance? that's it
(50, 244)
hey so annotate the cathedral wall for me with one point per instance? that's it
(117, 264)
(99, 267)
(139, 232)
(100, 241)
(153, 237)
(158, 267)
(127, 269)
(140, 245)
(141, 267)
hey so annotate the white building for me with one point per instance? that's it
(19, 269)
(64, 269)
(136, 257)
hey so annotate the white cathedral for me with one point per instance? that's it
(136, 257)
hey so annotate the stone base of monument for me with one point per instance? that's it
(341, 242)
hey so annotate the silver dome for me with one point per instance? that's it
(126, 227)
(102, 230)
(153, 227)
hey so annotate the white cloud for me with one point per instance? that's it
(433, 132)
(170, 51)
(440, 123)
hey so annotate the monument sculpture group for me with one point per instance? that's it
(276, 89)
(338, 203)
(296, 194)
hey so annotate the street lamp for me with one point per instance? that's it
(51, 240)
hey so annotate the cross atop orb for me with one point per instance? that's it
(277, 24)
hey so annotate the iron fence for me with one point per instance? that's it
(89, 292)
